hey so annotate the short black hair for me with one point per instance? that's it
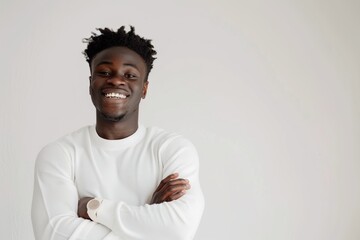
(109, 38)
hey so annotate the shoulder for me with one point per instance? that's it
(172, 148)
(165, 139)
(62, 149)
(71, 140)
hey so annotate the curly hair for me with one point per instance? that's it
(109, 38)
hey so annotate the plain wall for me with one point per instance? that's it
(268, 91)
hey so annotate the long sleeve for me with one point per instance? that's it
(176, 220)
(125, 173)
(55, 200)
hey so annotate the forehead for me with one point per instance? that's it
(119, 55)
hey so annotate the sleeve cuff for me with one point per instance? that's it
(106, 213)
(93, 207)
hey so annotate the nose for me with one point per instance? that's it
(117, 80)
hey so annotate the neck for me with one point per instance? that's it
(113, 130)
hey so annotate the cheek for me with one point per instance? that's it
(93, 86)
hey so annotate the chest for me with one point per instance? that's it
(129, 175)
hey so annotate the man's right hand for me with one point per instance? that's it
(170, 189)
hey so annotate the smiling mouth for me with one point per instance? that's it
(115, 95)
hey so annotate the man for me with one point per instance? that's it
(117, 179)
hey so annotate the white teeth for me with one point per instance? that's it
(115, 95)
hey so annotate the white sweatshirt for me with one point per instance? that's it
(125, 173)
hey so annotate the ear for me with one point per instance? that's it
(146, 84)
(90, 85)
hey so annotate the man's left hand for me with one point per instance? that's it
(82, 209)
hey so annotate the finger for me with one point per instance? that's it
(165, 180)
(176, 196)
(171, 190)
(178, 181)
(171, 183)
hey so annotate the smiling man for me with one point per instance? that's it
(117, 179)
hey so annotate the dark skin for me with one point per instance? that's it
(122, 71)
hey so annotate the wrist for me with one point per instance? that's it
(92, 207)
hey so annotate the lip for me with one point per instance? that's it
(113, 99)
(115, 90)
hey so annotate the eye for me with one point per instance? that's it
(130, 76)
(104, 73)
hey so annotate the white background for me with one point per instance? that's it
(268, 91)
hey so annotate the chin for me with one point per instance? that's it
(113, 117)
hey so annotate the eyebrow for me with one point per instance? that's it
(103, 62)
(125, 64)
(132, 65)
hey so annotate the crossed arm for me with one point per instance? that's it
(170, 188)
(57, 213)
